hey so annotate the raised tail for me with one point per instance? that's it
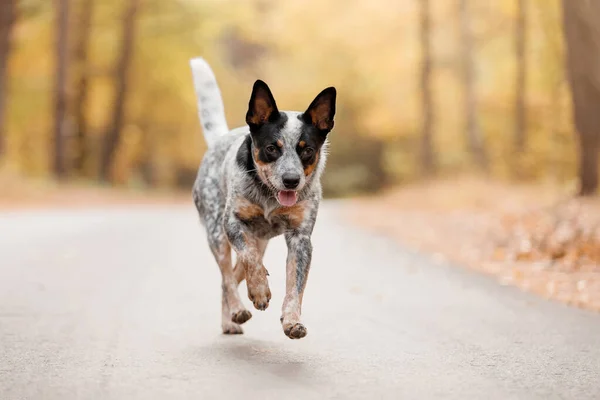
(210, 103)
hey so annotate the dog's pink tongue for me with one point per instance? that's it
(287, 198)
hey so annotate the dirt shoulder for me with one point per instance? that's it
(17, 193)
(537, 238)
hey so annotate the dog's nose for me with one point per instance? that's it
(290, 181)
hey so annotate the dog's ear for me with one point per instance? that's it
(262, 107)
(321, 111)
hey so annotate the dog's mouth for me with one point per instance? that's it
(287, 198)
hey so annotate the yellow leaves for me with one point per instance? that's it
(369, 50)
(379, 122)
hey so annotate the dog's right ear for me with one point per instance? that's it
(262, 107)
(321, 111)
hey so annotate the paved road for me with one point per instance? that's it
(124, 304)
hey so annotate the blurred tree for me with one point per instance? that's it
(399, 73)
(427, 161)
(81, 62)
(7, 21)
(123, 66)
(521, 77)
(471, 101)
(556, 118)
(581, 21)
(61, 123)
(241, 53)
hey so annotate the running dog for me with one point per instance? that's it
(257, 182)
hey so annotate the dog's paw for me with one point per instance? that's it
(259, 295)
(241, 316)
(258, 289)
(295, 331)
(231, 328)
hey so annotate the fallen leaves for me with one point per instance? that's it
(517, 234)
(566, 235)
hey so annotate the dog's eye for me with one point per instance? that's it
(270, 149)
(308, 152)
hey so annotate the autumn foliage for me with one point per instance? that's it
(443, 86)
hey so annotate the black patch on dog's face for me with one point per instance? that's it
(268, 141)
(246, 163)
(309, 144)
(269, 154)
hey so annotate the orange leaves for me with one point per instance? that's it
(500, 230)
(568, 235)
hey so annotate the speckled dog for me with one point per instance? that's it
(257, 182)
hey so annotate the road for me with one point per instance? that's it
(125, 304)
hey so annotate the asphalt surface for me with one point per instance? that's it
(125, 304)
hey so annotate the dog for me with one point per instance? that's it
(257, 182)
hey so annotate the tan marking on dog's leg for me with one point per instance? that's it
(256, 274)
(261, 246)
(239, 272)
(291, 309)
(292, 303)
(233, 311)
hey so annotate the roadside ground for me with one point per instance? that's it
(19, 193)
(538, 238)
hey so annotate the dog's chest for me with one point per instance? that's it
(267, 225)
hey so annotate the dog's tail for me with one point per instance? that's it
(210, 103)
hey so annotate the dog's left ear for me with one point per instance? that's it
(321, 111)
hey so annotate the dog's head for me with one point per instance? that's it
(286, 146)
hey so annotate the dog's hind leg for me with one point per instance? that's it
(210, 205)
(233, 311)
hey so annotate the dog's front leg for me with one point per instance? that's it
(298, 265)
(249, 255)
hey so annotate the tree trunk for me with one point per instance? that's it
(581, 20)
(113, 135)
(7, 20)
(472, 128)
(81, 95)
(521, 78)
(427, 159)
(60, 88)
